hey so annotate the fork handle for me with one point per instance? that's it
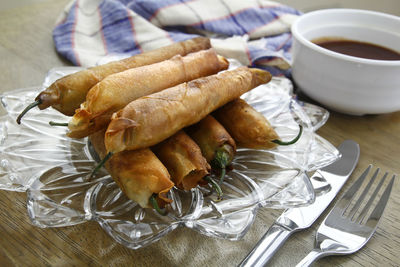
(267, 246)
(312, 256)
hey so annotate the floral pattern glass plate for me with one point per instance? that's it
(54, 170)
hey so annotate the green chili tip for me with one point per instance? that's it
(222, 159)
(215, 186)
(54, 123)
(154, 203)
(283, 143)
(101, 163)
(29, 107)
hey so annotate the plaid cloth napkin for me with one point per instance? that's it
(255, 32)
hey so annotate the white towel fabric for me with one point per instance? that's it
(255, 32)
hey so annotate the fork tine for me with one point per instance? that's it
(344, 202)
(363, 194)
(371, 199)
(380, 207)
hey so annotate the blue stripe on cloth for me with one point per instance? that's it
(62, 36)
(246, 20)
(117, 28)
(177, 34)
(278, 45)
(140, 7)
(149, 8)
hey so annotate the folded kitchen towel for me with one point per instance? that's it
(256, 33)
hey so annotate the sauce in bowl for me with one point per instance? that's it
(357, 49)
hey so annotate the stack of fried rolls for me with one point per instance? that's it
(67, 93)
(116, 91)
(151, 114)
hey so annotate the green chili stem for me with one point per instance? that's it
(54, 123)
(215, 186)
(283, 143)
(29, 107)
(154, 203)
(222, 176)
(102, 162)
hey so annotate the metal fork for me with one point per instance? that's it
(345, 230)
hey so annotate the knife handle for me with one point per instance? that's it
(267, 246)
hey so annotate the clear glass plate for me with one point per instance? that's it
(54, 170)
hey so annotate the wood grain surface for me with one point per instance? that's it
(27, 53)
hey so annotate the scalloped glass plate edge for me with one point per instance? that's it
(315, 117)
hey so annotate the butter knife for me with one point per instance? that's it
(295, 219)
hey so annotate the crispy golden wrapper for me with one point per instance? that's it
(211, 137)
(67, 93)
(183, 159)
(248, 127)
(138, 173)
(149, 120)
(118, 90)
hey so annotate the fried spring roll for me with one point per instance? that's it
(149, 120)
(216, 145)
(139, 173)
(117, 90)
(183, 159)
(67, 93)
(247, 126)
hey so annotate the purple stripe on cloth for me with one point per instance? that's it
(140, 7)
(63, 36)
(281, 43)
(177, 34)
(149, 8)
(117, 28)
(245, 21)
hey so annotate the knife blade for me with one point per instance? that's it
(296, 219)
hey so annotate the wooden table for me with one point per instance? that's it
(27, 53)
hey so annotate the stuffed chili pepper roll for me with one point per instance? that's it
(216, 144)
(151, 119)
(139, 174)
(183, 159)
(248, 127)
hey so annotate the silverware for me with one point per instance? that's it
(332, 179)
(345, 230)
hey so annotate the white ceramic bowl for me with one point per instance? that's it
(345, 83)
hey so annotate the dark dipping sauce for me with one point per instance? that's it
(357, 49)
